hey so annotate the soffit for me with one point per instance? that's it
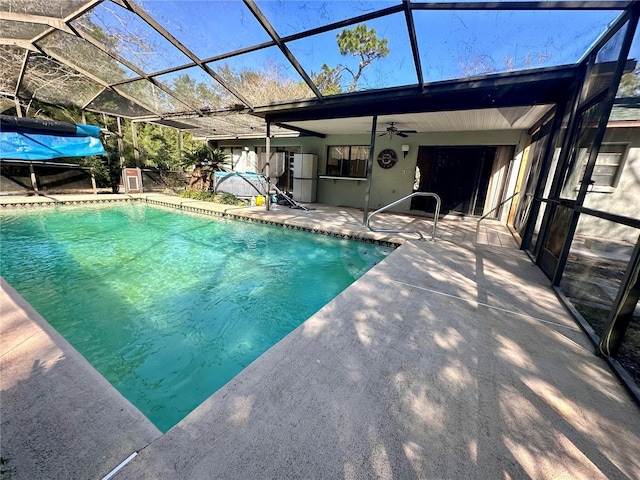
(507, 118)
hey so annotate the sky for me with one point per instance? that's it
(452, 44)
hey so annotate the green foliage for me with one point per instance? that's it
(360, 42)
(630, 84)
(199, 154)
(158, 146)
(199, 94)
(60, 113)
(206, 195)
(106, 168)
(364, 44)
(230, 199)
(206, 162)
(196, 155)
(220, 158)
(107, 174)
(328, 80)
(209, 196)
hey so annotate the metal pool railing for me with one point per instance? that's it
(415, 194)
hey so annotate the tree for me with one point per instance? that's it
(364, 44)
(360, 42)
(158, 146)
(199, 94)
(476, 62)
(630, 84)
(328, 80)
(204, 162)
(267, 84)
(107, 170)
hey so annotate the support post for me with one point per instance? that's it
(136, 152)
(372, 145)
(34, 180)
(120, 143)
(267, 200)
(16, 101)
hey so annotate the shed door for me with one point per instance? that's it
(132, 183)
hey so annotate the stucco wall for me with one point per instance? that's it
(387, 185)
(624, 199)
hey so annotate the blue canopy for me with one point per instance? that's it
(32, 139)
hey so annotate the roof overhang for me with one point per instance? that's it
(498, 102)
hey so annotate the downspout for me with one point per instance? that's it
(374, 126)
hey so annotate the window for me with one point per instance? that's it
(608, 167)
(347, 161)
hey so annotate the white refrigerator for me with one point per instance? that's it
(305, 177)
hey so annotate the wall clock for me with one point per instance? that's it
(387, 158)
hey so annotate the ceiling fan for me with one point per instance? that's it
(393, 130)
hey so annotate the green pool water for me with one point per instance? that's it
(170, 306)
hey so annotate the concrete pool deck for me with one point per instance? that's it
(342, 221)
(449, 359)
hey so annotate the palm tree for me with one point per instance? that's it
(205, 162)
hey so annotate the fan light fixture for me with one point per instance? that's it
(393, 130)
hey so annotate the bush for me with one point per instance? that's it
(209, 196)
(229, 199)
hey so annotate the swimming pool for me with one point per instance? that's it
(170, 306)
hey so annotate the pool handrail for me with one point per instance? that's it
(392, 204)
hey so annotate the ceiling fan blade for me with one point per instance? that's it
(382, 134)
(401, 134)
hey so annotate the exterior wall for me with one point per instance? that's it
(391, 184)
(624, 199)
(343, 192)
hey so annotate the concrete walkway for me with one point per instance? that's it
(450, 359)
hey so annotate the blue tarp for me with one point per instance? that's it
(31, 139)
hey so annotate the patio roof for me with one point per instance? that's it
(218, 69)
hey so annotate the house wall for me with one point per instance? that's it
(624, 199)
(388, 185)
